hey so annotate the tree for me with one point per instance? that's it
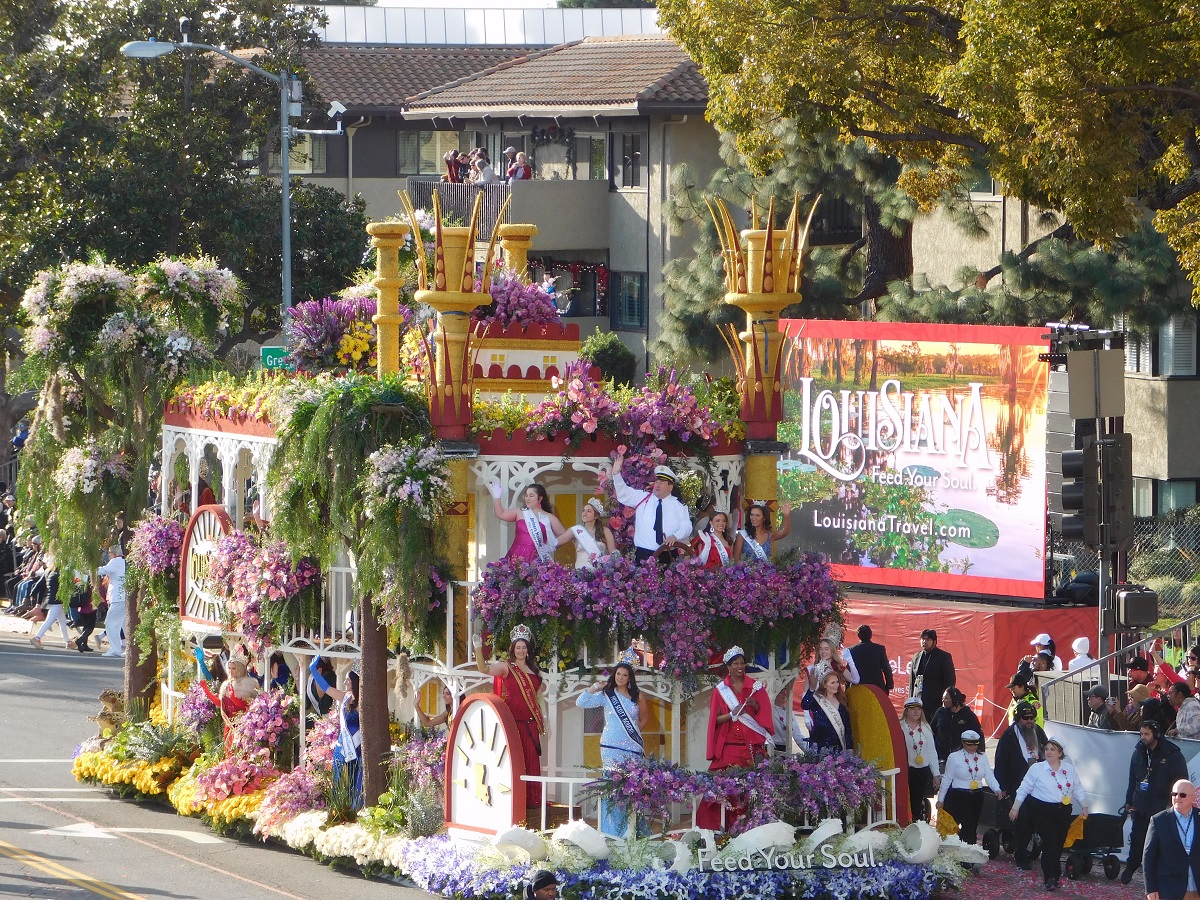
(1059, 278)
(136, 158)
(1077, 108)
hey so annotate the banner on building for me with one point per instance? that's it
(917, 453)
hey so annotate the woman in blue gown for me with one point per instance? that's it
(625, 715)
(347, 752)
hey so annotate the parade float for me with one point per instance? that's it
(343, 513)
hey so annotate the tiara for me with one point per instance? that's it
(520, 633)
(732, 653)
(356, 667)
(628, 657)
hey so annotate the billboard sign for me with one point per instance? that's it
(917, 453)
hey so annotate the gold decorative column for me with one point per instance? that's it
(763, 271)
(387, 238)
(515, 241)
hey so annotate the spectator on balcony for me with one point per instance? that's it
(454, 172)
(510, 158)
(520, 170)
(484, 173)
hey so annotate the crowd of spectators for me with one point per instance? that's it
(475, 167)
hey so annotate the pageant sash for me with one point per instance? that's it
(618, 707)
(587, 542)
(533, 525)
(348, 742)
(733, 703)
(754, 545)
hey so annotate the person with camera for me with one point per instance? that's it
(1155, 765)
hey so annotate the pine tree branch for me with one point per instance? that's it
(1064, 232)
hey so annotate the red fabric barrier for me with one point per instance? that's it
(987, 641)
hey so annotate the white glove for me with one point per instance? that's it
(495, 488)
(477, 641)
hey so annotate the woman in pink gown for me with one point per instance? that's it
(518, 681)
(537, 527)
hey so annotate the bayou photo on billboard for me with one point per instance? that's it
(917, 452)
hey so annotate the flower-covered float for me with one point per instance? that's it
(331, 515)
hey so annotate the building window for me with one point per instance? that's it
(307, 156)
(1177, 346)
(628, 292)
(1143, 497)
(1173, 495)
(421, 152)
(629, 159)
(591, 158)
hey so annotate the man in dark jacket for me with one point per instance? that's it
(1156, 764)
(872, 661)
(930, 672)
(1172, 848)
(1019, 747)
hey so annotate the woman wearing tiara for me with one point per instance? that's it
(538, 529)
(593, 539)
(740, 723)
(518, 681)
(625, 715)
(712, 545)
(756, 541)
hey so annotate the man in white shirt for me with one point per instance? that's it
(659, 518)
(114, 622)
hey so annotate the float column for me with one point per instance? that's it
(387, 238)
(515, 241)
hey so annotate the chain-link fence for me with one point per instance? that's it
(1165, 558)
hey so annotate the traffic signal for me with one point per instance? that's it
(1118, 491)
(1081, 495)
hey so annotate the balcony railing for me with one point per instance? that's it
(458, 200)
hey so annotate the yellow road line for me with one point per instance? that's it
(56, 870)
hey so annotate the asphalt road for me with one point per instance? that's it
(59, 838)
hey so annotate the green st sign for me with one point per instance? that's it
(275, 358)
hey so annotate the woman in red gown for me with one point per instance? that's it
(518, 681)
(740, 723)
(234, 695)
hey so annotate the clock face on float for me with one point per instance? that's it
(197, 602)
(484, 764)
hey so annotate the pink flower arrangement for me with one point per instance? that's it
(293, 793)
(196, 710)
(320, 740)
(156, 545)
(423, 757)
(269, 725)
(233, 776)
(581, 404)
(253, 581)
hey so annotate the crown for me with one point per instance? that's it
(520, 633)
(628, 657)
(356, 667)
(732, 653)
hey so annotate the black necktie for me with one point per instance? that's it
(658, 531)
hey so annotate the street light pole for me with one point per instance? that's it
(154, 49)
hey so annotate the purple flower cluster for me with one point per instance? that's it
(295, 792)
(156, 545)
(782, 789)
(514, 302)
(269, 725)
(440, 865)
(682, 612)
(317, 328)
(667, 409)
(423, 758)
(196, 710)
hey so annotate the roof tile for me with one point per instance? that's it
(382, 77)
(615, 71)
